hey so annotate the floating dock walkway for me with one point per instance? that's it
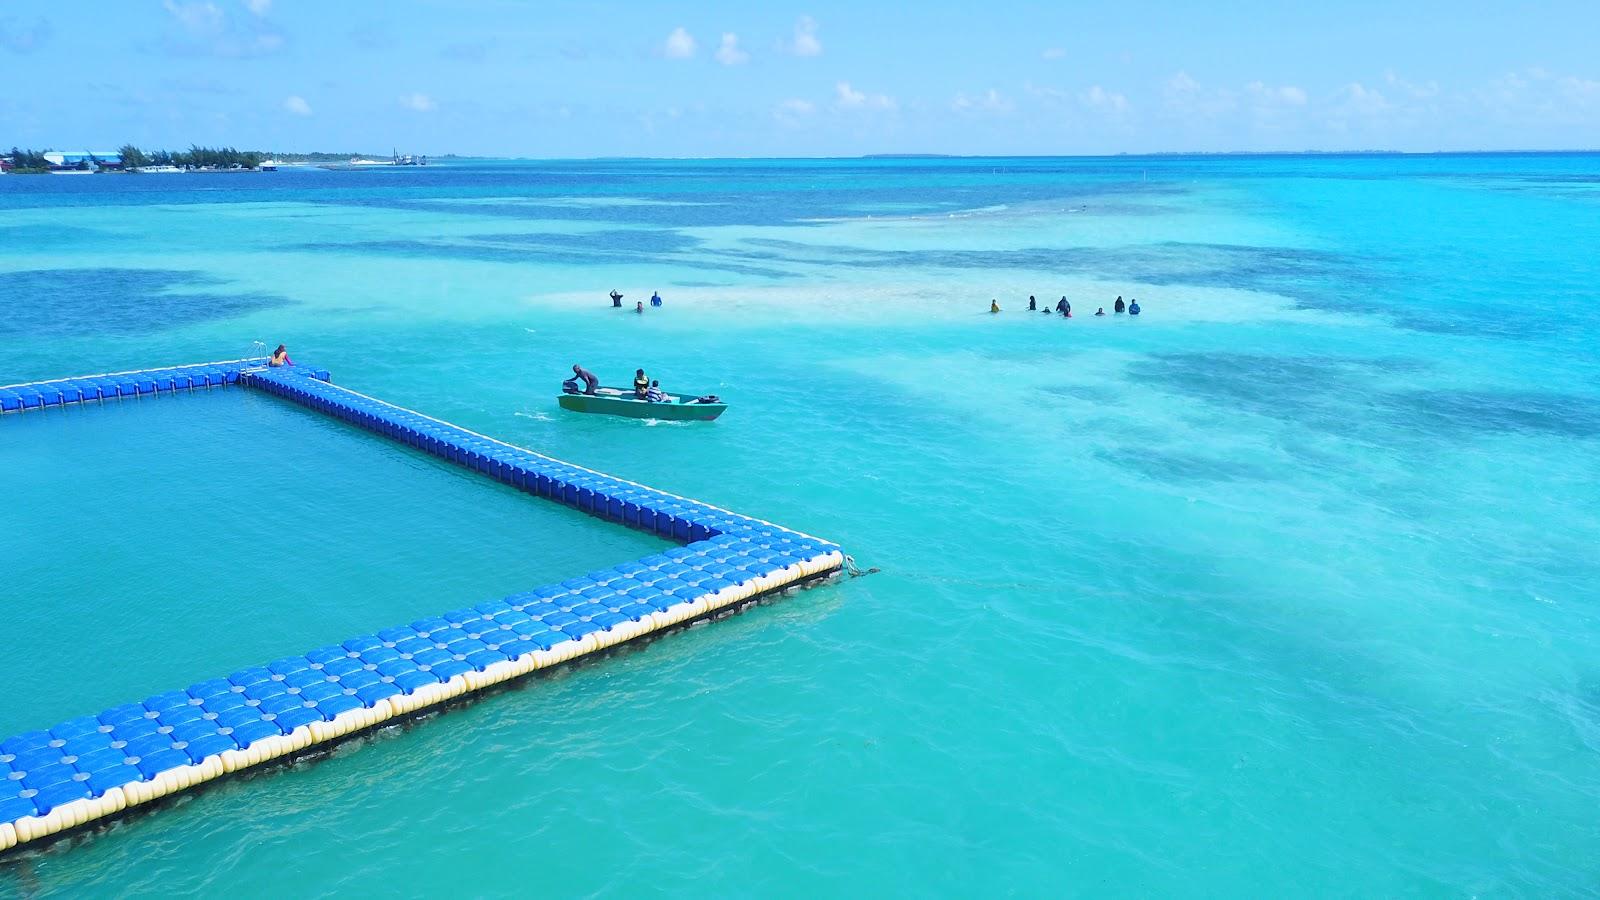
(92, 768)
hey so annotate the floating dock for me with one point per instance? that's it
(93, 768)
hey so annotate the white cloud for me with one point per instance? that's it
(259, 7)
(805, 38)
(199, 19)
(1542, 98)
(1579, 88)
(794, 112)
(1358, 99)
(729, 53)
(418, 102)
(1181, 85)
(991, 101)
(680, 44)
(1414, 91)
(1189, 99)
(1053, 53)
(1097, 97)
(1286, 95)
(208, 30)
(297, 105)
(847, 97)
(1045, 93)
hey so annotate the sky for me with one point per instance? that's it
(817, 78)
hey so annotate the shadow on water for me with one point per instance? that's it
(1348, 397)
(606, 248)
(72, 302)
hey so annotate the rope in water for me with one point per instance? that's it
(855, 571)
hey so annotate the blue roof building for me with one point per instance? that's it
(63, 159)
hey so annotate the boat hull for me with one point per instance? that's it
(671, 411)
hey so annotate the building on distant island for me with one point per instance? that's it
(85, 161)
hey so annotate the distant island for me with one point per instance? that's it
(130, 158)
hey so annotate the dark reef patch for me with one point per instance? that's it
(1341, 396)
(566, 250)
(65, 302)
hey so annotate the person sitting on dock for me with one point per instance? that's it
(280, 357)
(655, 394)
(616, 299)
(655, 298)
(1119, 306)
(579, 373)
(641, 384)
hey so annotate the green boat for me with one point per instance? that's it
(613, 402)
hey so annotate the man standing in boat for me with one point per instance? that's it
(579, 373)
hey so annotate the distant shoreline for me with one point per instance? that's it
(1162, 154)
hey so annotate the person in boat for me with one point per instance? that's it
(1133, 307)
(1063, 307)
(655, 394)
(641, 384)
(655, 298)
(1119, 306)
(639, 307)
(994, 306)
(1033, 305)
(616, 299)
(280, 357)
(1101, 311)
(579, 373)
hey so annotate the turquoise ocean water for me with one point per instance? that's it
(1287, 586)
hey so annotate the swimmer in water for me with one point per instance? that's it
(994, 306)
(1119, 306)
(639, 307)
(1033, 304)
(1101, 311)
(1133, 308)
